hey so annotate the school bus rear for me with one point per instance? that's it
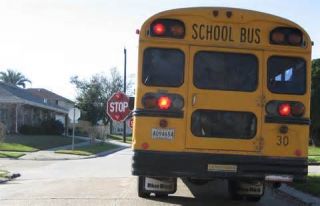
(222, 93)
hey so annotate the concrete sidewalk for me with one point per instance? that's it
(299, 197)
(314, 169)
(51, 155)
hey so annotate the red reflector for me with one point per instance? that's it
(164, 102)
(159, 29)
(298, 152)
(284, 109)
(145, 145)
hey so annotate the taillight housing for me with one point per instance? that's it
(286, 36)
(285, 108)
(169, 28)
(162, 101)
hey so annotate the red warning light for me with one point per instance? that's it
(159, 29)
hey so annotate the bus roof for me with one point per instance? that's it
(215, 16)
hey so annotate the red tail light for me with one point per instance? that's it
(297, 109)
(159, 29)
(284, 109)
(164, 102)
(150, 102)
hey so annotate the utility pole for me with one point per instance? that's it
(124, 89)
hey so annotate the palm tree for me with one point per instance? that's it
(14, 78)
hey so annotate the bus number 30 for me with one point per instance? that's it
(282, 140)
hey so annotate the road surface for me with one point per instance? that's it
(103, 181)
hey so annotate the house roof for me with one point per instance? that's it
(43, 93)
(13, 94)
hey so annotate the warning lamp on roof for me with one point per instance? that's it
(286, 36)
(169, 28)
(159, 29)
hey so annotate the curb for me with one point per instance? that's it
(297, 197)
(314, 164)
(78, 157)
(4, 180)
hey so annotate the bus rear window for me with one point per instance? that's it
(223, 124)
(286, 75)
(163, 67)
(225, 71)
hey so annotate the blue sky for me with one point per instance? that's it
(51, 40)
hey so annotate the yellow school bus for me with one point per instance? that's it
(221, 93)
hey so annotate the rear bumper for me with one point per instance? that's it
(183, 164)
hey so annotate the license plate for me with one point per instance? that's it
(159, 133)
(250, 188)
(161, 185)
(222, 168)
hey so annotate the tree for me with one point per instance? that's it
(14, 78)
(93, 95)
(315, 101)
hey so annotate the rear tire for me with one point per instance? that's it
(141, 191)
(232, 189)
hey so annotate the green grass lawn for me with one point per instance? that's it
(29, 143)
(89, 149)
(314, 159)
(312, 185)
(7, 154)
(314, 155)
(313, 151)
(120, 138)
(16, 147)
(3, 173)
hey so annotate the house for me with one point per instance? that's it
(53, 99)
(28, 107)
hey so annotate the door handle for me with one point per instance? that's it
(194, 99)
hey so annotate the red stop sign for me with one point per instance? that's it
(130, 122)
(118, 106)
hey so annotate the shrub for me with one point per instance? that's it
(48, 127)
(28, 129)
(52, 126)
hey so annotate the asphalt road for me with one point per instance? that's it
(103, 181)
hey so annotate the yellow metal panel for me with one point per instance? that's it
(226, 101)
(231, 38)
